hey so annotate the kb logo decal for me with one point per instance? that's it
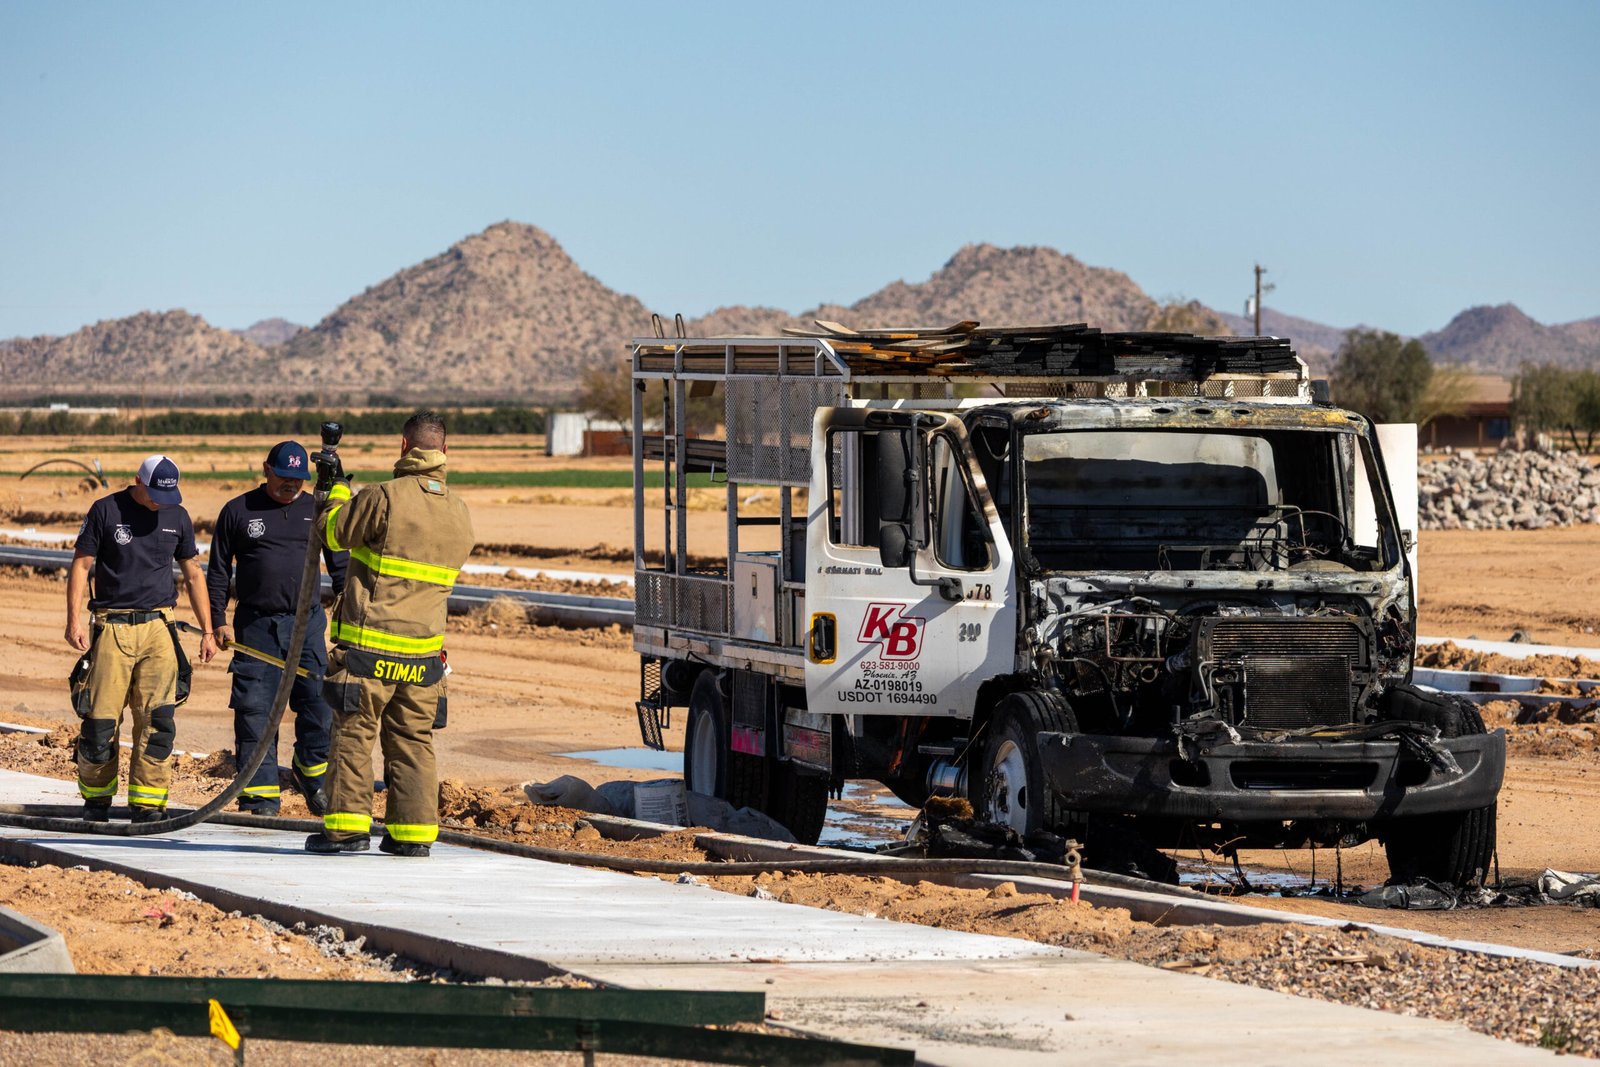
(887, 625)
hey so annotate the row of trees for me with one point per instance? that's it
(1563, 402)
(1389, 379)
(302, 423)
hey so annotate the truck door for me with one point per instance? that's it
(910, 590)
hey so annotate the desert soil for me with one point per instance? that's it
(523, 695)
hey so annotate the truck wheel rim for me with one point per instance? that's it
(701, 766)
(1008, 788)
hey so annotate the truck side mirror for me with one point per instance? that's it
(897, 510)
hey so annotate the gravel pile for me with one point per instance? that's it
(1516, 1000)
(1508, 491)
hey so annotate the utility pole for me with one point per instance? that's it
(1255, 304)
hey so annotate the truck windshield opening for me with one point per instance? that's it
(1185, 500)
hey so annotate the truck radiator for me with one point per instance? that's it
(1288, 692)
(1293, 672)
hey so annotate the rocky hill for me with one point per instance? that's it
(167, 352)
(504, 312)
(1502, 338)
(507, 315)
(996, 286)
(269, 332)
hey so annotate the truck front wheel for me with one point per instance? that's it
(1455, 848)
(1008, 787)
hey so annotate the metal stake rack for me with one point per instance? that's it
(771, 389)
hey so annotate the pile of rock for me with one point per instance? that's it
(1508, 491)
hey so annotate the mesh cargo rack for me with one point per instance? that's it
(772, 386)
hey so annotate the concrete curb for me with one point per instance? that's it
(1154, 908)
(28, 947)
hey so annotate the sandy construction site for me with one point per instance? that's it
(522, 695)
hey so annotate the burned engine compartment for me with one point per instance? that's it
(1141, 665)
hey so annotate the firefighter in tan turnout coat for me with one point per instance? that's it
(407, 540)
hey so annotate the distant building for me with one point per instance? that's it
(573, 433)
(1485, 422)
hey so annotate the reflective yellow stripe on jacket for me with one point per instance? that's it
(341, 493)
(395, 567)
(381, 641)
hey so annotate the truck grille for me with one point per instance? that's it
(1232, 638)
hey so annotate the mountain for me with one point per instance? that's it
(506, 315)
(269, 332)
(165, 351)
(1502, 338)
(997, 286)
(505, 312)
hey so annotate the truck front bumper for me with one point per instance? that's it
(1269, 781)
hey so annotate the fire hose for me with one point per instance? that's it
(51, 817)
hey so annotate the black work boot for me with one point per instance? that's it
(311, 788)
(140, 813)
(326, 845)
(97, 810)
(402, 848)
(268, 811)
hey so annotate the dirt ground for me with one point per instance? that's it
(522, 695)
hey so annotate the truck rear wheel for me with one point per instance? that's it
(710, 766)
(705, 738)
(1454, 848)
(1009, 787)
(800, 802)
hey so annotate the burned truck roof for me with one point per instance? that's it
(1179, 413)
(1072, 359)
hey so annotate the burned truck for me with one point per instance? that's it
(1077, 577)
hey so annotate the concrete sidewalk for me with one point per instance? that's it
(957, 998)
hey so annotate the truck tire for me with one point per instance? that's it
(1008, 786)
(710, 766)
(705, 738)
(1455, 848)
(799, 801)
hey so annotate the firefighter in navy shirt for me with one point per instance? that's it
(260, 543)
(131, 539)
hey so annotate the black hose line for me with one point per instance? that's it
(26, 816)
(880, 866)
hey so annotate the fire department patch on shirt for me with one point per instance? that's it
(256, 527)
(122, 534)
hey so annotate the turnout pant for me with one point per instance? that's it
(255, 684)
(398, 714)
(132, 665)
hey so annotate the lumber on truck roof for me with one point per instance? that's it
(966, 350)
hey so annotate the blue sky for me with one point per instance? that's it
(1390, 163)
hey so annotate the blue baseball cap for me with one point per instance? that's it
(288, 460)
(159, 476)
